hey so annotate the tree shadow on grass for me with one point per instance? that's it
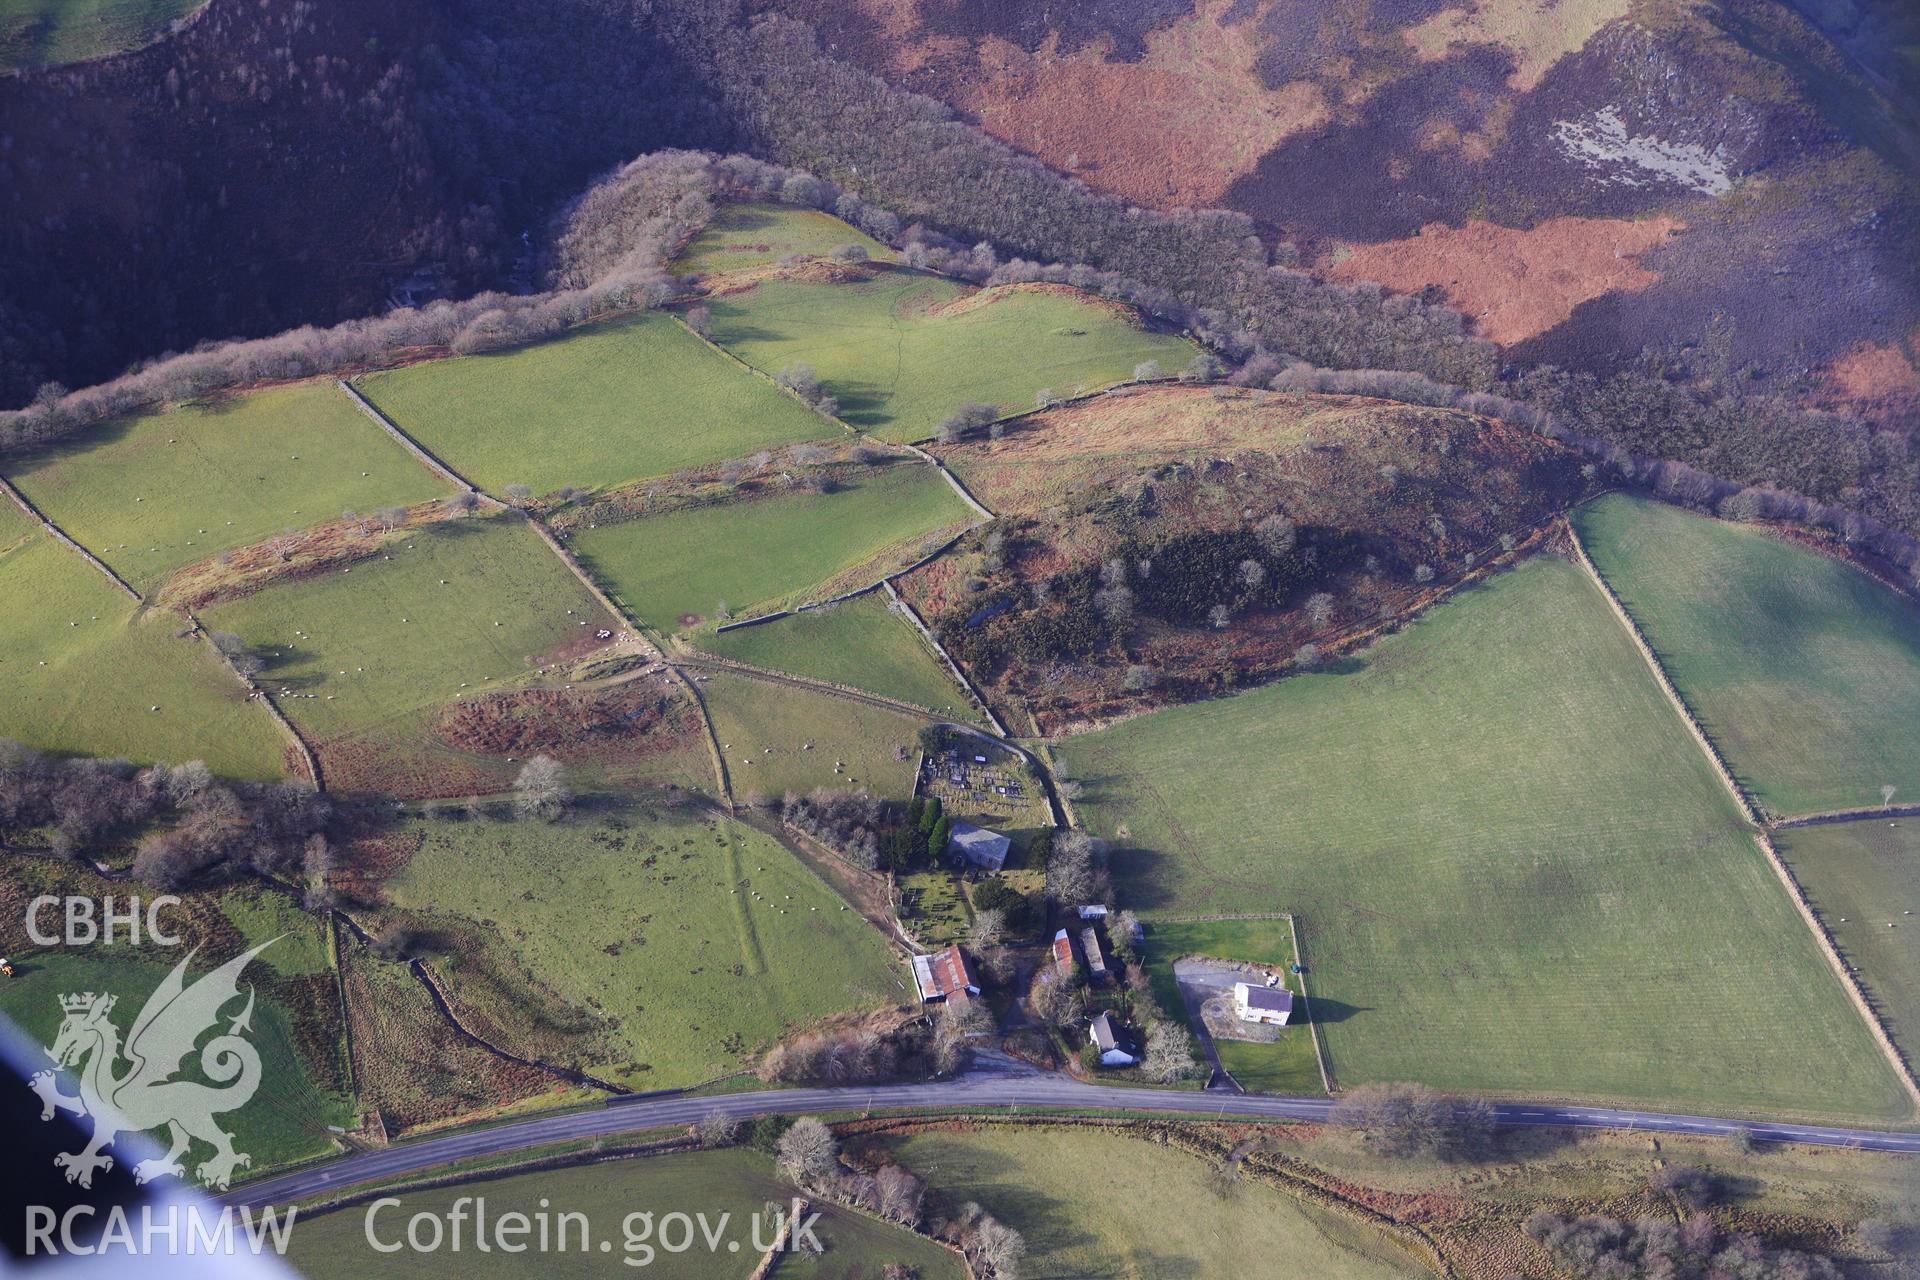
(737, 330)
(862, 404)
(741, 218)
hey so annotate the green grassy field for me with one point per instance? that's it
(680, 928)
(151, 493)
(1805, 671)
(734, 1182)
(1286, 1066)
(1094, 1205)
(1511, 868)
(753, 235)
(752, 715)
(900, 357)
(461, 605)
(610, 402)
(82, 668)
(675, 570)
(858, 642)
(287, 1118)
(1863, 877)
(45, 33)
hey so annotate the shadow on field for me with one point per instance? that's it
(451, 527)
(862, 404)
(1327, 1011)
(739, 331)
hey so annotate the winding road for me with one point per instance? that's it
(994, 1083)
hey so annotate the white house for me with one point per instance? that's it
(1114, 1043)
(1259, 1003)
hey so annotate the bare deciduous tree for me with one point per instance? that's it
(807, 1152)
(717, 1129)
(236, 652)
(970, 416)
(1115, 604)
(989, 928)
(899, 1193)
(1000, 1247)
(1169, 1053)
(1077, 869)
(1276, 535)
(1055, 998)
(800, 379)
(1408, 1119)
(541, 790)
(1688, 1183)
(1204, 367)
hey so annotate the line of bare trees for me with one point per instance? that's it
(1652, 1248)
(186, 822)
(807, 1153)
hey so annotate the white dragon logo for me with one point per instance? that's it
(146, 1095)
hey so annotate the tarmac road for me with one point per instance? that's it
(995, 1082)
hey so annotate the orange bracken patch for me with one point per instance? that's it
(1514, 283)
(1874, 371)
(1880, 379)
(1177, 127)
